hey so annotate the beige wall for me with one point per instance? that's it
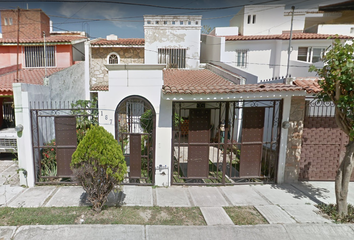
(295, 131)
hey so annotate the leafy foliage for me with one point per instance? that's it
(338, 83)
(146, 122)
(206, 29)
(49, 159)
(98, 164)
(337, 86)
(331, 211)
(87, 115)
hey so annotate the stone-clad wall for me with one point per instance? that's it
(98, 72)
(296, 119)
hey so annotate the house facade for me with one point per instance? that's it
(182, 124)
(257, 41)
(30, 51)
(192, 113)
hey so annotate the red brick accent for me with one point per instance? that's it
(32, 23)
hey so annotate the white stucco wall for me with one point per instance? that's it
(267, 59)
(224, 31)
(212, 49)
(341, 29)
(146, 83)
(161, 35)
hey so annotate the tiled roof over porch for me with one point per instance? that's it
(179, 81)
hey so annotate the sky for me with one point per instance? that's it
(101, 18)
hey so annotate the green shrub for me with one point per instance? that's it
(98, 165)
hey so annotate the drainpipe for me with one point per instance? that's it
(291, 35)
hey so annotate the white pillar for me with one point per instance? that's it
(87, 70)
(24, 140)
(163, 168)
(283, 140)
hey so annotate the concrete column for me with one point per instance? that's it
(24, 140)
(283, 140)
(87, 70)
(295, 131)
(163, 148)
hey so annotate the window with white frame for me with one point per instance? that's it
(34, 56)
(113, 58)
(172, 57)
(241, 58)
(310, 54)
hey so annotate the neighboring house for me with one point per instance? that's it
(257, 42)
(172, 40)
(26, 35)
(112, 50)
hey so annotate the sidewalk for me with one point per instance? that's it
(137, 232)
(279, 204)
(289, 208)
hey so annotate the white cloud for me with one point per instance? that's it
(96, 10)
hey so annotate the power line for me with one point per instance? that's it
(147, 5)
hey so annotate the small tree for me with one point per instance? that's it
(98, 164)
(206, 29)
(338, 86)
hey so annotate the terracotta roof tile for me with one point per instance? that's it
(286, 36)
(120, 41)
(309, 84)
(51, 39)
(177, 81)
(26, 75)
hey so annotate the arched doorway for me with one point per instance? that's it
(135, 132)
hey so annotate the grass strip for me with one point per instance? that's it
(109, 215)
(245, 215)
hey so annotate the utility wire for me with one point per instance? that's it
(147, 5)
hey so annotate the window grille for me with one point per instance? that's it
(173, 57)
(241, 58)
(34, 56)
(113, 59)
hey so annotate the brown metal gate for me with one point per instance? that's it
(66, 143)
(252, 142)
(220, 143)
(198, 139)
(323, 143)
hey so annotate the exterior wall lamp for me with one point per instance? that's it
(285, 125)
(19, 128)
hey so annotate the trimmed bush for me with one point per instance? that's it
(98, 165)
